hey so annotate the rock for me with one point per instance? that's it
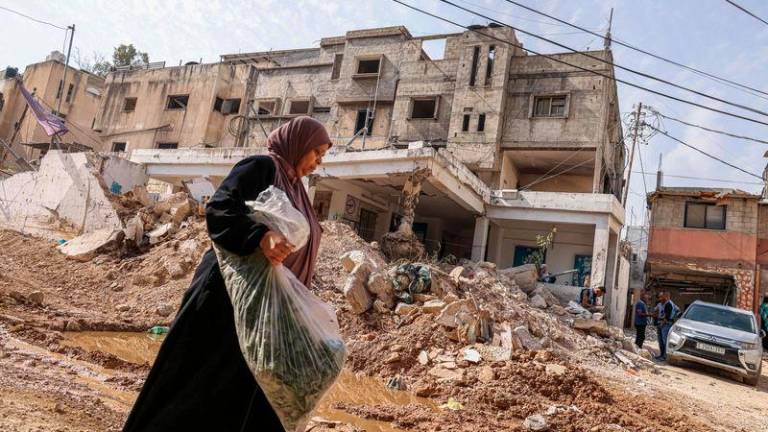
(599, 328)
(355, 292)
(182, 211)
(405, 309)
(159, 233)
(450, 298)
(175, 269)
(629, 344)
(351, 259)
(538, 301)
(450, 315)
(164, 310)
(535, 422)
(59, 408)
(120, 308)
(423, 358)
(472, 356)
(433, 306)
(423, 298)
(36, 298)
(380, 285)
(524, 276)
(392, 358)
(456, 273)
(555, 369)
(597, 316)
(494, 353)
(486, 265)
(380, 307)
(518, 295)
(448, 365)
(526, 340)
(443, 374)
(550, 298)
(486, 374)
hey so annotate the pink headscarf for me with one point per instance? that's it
(287, 145)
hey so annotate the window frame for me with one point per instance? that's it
(338, 60)
(707, 207)
(125, 104)
(171, 97)
(378, 57)
(481, 119)
(465, 121)
(308, 100)
(435, 114)
(125, 146)
(275, 111)
(537, 97)
(159, 145)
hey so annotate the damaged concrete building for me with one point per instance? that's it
(79, 100)
(708, 244)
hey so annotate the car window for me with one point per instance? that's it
(720, 317)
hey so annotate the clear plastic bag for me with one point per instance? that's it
(289, 338)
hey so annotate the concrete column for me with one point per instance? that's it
(410, 199)
(495, 242)
(600, 253)
(480, 239)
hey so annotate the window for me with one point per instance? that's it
(60, 89)
(465, 123)
(129, 104)
(321, 109)
(481, 123)
(705, 215)
(177, 102)
(369, 67)
(424, 108)
(360, 122)
(167, 145)
(299, 107)
(336, 71)
(266, 107)
(119, 147)
(227, 106)
(549, 106)
(70, 90)
(473, 72)
(489, 65)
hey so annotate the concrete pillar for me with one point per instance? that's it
(600, 253)
(480, 239)
(410, 199)
(495, 242)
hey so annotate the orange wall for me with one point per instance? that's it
(762, 252)
(701, 243)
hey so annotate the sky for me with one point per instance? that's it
(710, 35)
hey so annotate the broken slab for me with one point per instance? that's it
(525, 276)
(599, 328)
(351, 259)
(443, 374)
(357, 295)
(450, 315)
(159, 233)
(526, 340)
(86, 246)
(538, 301)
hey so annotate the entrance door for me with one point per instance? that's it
(583, 266)
(367, 226)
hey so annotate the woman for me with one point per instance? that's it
(200, 381)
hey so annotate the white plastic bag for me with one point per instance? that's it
(289, 338)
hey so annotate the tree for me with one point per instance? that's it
(96, 64)
(128, 55)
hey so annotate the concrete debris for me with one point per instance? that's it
(599, 328)
(433, 306)
(538, 301)
(555, 369)
(472, 355)
(486, 374)
(87, 246)
(451, 315)
(526, 340)
(405, 308)
(443, 374)
(535, 422)
(380, 307)
(544, 292)
(381, 286)
(36, 298)
(523, 276)
(456, 274)
(351, 259)
(355, 291)
(423, 358)
(160, 233)
(164, 310)
(398, 245)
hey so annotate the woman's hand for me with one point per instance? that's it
(276, 248)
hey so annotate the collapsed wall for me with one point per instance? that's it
(67, 196)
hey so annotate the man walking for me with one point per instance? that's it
(641, 319)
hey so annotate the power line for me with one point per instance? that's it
(609, 63)
(557, 60)
(747, 12)
(711, 156)
(709, 129)
(701, 178)
(640, 50)
(32, 18)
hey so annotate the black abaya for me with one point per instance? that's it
(200, 381)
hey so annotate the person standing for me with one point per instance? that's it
(200, 380)
(669, 314)
(764, 320)
(658, 310)
(641, 319)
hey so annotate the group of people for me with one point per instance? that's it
(663, 315)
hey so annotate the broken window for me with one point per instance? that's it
(360, 122)
(167, 145)
(266, 107)
(549, 106)
(70, 90)
(177, 102)
(119, 147)
(424, 108)
(489, 65)
(705, 215)
(369, 66)
(299, 107)
(481, 123)
(217, 104)
(336, 71)
(129, 104)
(60, 89)
(473, 72)
(230, 106)
(465, 123)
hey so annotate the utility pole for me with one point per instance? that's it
(64, 79)
(635, 133)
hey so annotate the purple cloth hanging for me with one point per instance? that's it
(52, 124)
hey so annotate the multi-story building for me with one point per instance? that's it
(78, 100)
(501, 146)
(709, 244)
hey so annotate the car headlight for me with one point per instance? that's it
(674, 338)
(748, 346)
